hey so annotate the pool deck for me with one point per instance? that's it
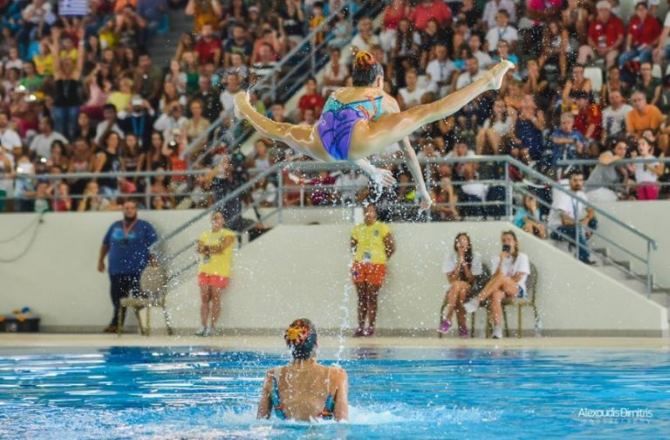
(24, 340)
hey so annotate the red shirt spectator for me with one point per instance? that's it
(428, 9)
(644, 32)
(589, 119)
(606, 34)
(208, 46)
(311, 100)
(394, 12)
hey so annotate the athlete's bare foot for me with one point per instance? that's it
(496, 74)
(425, 202)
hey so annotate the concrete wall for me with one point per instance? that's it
(303, 271)
(650, 218)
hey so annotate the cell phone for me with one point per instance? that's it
(506, 248)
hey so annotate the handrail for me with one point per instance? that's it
(554, 185)
(567, 162)
(111, 174)
(228, 197)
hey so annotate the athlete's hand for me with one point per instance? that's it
(383, 178)
(101, 266)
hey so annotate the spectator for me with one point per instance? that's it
(614, 116)
(471, 74)
(644, 31)
(493, 7)
(512, 268)
(204, 12)
(607, 179)
(566, 141)
(577, 84)
(410, 95)
(197, 124)
(529, 127)
(365, 38)
(121, 98)
(605, 36)
(589, 119)
(127, 244)
(208, 46)
(293, 21)
(108, 124)
(147, 79)
(647, 174)
(335, 73)
(80, 162)
(238, 43)
(440, 70)
(215, 249)
(613, 83)
(501, 31)
(396, 11)
(350, 185)
(173, 119)
(555, 47)
(527, 217)
(9, 138)
(462, 266)
(568, 218)
(444, 208)
(41, 144)
(107, 161)
(138, 120)
(6, 173)
(650, 86)
(475, 47)
(372, 244)
(662, 50)
(643, 116)
(316, 20)
(312, 99)
(474, 192)
(501, 123)
(429, 9)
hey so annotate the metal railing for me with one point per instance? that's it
(304, 60)
(509, 197)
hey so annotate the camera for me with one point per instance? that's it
(506, 248)
(172, 145)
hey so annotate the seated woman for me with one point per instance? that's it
(528, 218)
(508, 281)
(304, 390)
(462, 267)
(363, 120)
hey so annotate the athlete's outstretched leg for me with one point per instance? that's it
(375, 136)
(302, 138)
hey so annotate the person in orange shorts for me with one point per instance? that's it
(215, 248)
(372, 245)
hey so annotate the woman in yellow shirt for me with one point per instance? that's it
(372, 245)
(215, 248)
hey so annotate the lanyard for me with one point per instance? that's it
(127, 230)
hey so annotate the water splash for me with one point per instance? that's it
(344, 324)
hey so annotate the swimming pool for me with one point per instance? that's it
(202, 392)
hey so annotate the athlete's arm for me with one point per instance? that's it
(265, 404)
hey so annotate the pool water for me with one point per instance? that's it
(201, 392)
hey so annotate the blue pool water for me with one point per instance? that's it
(208, 393)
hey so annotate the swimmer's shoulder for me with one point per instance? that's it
(351, 94)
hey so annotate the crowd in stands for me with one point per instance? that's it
(82, 94)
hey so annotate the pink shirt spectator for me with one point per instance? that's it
(424, 11)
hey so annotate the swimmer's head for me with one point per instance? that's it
(366, 70)
(301, 338)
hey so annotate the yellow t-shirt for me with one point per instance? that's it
(370, 246)
(44, 64)
(120, 100)
(217, 264)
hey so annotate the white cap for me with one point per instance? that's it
(603, 4)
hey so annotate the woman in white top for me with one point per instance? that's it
(508, 281)
(647, 174)
(498, 125)
(461, 267)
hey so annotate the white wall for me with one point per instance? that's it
(650, 218)
(303, 271)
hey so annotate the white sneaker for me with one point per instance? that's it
(471, 306)
(497, 333)
(209, 331)
(201, 331)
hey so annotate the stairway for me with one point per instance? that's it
(620, 270)
(162, 48)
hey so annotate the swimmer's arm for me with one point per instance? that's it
(265, 404)
(342, 396)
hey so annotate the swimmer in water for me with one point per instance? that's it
(363, 120)
(304, 390)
